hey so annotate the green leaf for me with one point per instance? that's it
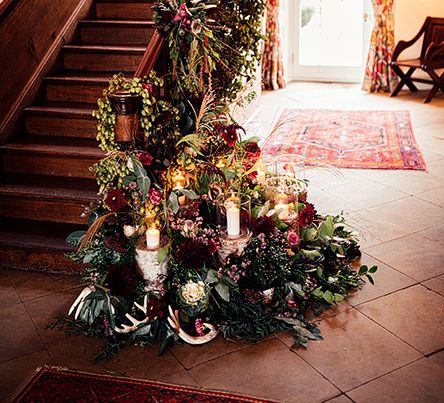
(362, 270)
(162, 254)
(74, 238)
(189, 193)
(310, 234)
(311, 254)
(174, 202)
(318, 292)
(327, 228)
(139, 170)
(211, 277)
(370, 278)
(144, 185)
(373, 269)
(128, 179)
(338, 297)
(329, 297)
(223, 291)
(143, 330)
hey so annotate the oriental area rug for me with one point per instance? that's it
(59, 385)
(347, 139)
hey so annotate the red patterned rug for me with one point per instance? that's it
(347, 139)
(58, 385)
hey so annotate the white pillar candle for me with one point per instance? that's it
(153, 238)
(283, 209)
(233, 221)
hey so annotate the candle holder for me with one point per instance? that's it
(293, 165)
(148, 265)
(179, 183)
(233, 246)
(283, 194)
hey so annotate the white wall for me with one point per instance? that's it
(409, 16)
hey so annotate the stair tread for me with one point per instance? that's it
(80, 78)
(105, 48)
(55, 149)
(46, 192)
(61, 110)
(118, 22)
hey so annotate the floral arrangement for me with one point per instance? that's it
(190, 234)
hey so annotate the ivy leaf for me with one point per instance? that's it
(329, 297)
(223, 291)
(338, 297)
(311, 234)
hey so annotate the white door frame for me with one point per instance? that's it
(290, 13)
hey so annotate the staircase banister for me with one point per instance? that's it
(151, 55)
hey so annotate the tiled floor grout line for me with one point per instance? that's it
(383, 295)
(24, 355)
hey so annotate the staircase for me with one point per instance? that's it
(45, 179)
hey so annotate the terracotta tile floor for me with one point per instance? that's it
(384, 344)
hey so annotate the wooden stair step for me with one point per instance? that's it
(34, 245)
(118, 32)
(50, 159)
(44, 203)
(75, 88)
(60, 121)
(128, 10)
(102, 58)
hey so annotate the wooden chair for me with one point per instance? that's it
(430, 60)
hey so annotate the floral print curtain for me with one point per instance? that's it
(379, 77)
(272, 65)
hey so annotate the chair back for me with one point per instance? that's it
(434, 32)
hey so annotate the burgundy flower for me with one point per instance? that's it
(293, 238)
(116, 200)
(147, 87)
(192, 254)
(145, 158)
(228, 133)
(155, 309)
(307, 215)
(155, 196)
(182, 13)
(212, 246)
(264, 225)
(116, 242)
(122, 280)
(199, 327)
(253, 151)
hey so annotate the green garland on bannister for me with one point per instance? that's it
(214, 43)
(173, 178)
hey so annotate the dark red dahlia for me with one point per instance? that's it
(192, 254)
(253, 151)
(307, 215)
(145, 158)
(116, 242)
(264, 225)
(156, 309)
(155, 196)
(122, 279)
(228, 133)
(116, 200)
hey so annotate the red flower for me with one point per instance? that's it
(147, 87)
(145, 158)
(212, 246)
(116, 242)
(307, 215)
(253, 151)
(182, 13)
(155, 196)
(292, 238)
(192, 254)
(155, 309)
(264, 225)
(122, 279)
(228, 134)
(116, 200)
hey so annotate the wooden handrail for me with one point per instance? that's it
(151, 55)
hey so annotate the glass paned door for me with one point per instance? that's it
(329, 40)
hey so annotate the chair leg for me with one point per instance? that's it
(405, 79)
(438, 84)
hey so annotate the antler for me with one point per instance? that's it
(135, 323)
(173, 320)
(80, 300)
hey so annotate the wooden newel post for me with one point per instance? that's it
(126, 105)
